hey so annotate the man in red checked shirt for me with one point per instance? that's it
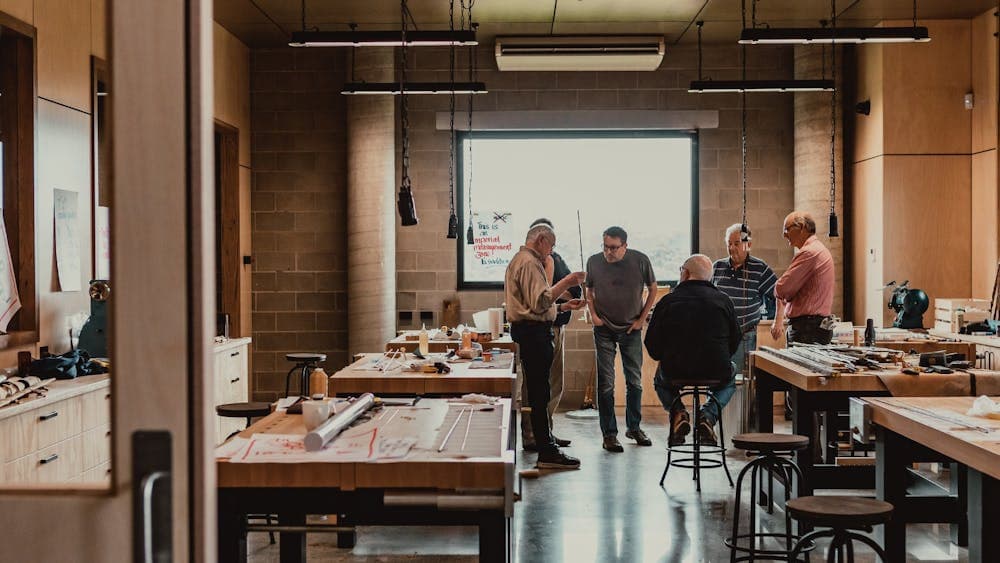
(804, 292)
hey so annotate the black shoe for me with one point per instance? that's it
(612, 444)
(562, 443)
(706, 433)
(556, 460)
(639, 436)
(529, 447)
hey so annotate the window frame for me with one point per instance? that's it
(19, 180)
(460, 195)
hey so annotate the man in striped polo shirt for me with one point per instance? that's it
(749, 282)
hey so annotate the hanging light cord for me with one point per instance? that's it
(472, 72)
(833, 112)
(699, 23)
(743, 125)
(403, 109)
(451, 114)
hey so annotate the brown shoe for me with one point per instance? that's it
(680, 426)
(612, 444)
(706, 433)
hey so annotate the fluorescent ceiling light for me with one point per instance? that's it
(760, 35)
(392, 88)
(381, 38)
(710, 86)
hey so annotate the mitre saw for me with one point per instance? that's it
(909, 304)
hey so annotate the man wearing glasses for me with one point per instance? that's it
(805, 290)
(615, 281)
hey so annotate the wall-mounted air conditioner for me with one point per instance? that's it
(580, 52)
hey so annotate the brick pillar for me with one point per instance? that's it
(371, 216)
(812, 157)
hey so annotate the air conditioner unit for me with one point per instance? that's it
(580, 52)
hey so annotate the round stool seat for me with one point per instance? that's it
(306, 357)
(243, 410)
(768, 442)
(840, 511)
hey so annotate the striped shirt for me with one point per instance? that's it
(751, 288)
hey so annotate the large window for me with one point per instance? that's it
(644, 182)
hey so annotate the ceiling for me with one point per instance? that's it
(265, 23)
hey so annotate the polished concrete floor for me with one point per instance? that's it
(612, 509)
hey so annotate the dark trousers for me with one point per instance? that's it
(534, 340)
(807, 330)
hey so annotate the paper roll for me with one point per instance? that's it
(496, 322)
(327, 431)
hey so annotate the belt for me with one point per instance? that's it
(807, 318)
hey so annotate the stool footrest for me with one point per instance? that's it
(760, 553)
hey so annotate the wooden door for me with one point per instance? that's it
(162, 304)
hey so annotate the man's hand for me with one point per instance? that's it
(596, 320)
(574, 304)
(637, 325)
(776, 330)
(578, 278)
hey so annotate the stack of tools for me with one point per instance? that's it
(834, 359)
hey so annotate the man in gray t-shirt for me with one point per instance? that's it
(615, 280)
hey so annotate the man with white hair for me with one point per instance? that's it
(531, 310)
(805, 290)
(749, 282)
(693, 334)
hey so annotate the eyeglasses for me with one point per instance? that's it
(785, 230)
(612, 248)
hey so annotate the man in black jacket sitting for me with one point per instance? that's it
(693, 333)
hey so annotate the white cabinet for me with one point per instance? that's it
(232, 382)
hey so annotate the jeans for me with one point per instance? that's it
(630, 345)
(712, 409)
(747, 344)
(534, 340)
(555, 386)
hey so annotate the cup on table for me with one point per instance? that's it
(315, 413)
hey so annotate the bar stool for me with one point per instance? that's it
(249, 411)
(306, 362)
(841, 514)
(696, 389)
(772, 453)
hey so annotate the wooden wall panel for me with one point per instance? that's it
(923, 88)
(246, 270)
(868, 135)
(984, 223)
(927, 223)
(19, 9)
(232, 86)
(99, 28)
(984, 81)
(64, 51)
(63, 162)
(866, 239)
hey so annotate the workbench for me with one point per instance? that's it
(427, 487)
(812, 393)
(360, 377)
(408, 340)
(931, 429)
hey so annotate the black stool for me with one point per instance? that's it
(772, 453)
(695, 389)
(841, 514)
(249, 411)
(306, 362)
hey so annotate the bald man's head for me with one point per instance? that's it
(697, 267)
(798, 227)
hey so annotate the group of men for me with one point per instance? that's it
(702, 330)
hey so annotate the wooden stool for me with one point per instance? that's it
(842, 514)
(696, 389)
(305, 362)
(249, 411)
(772, 455)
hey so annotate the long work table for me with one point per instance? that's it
(920, 429)
(365, 376)
(409, 341)
(458, 471)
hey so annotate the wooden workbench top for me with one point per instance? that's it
(940, 423)
(355, 379)
(57, 391)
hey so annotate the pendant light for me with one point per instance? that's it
(407, 207)
(469, 234)
(807, 35)
(452, 218)
(744, 229)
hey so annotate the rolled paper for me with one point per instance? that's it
(324, 433)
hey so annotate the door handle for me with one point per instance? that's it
(152, 517)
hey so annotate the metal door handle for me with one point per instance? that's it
(148, 482)
(151, 497)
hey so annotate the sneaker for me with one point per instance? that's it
(562, 443)
(556, 460)
(706, 433)
(612, 444)
(680, 425)
(639, 436)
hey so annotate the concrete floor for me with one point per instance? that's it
(612, 509)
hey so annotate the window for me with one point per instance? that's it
(17, 181)
(642, 181)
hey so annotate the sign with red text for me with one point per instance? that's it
(494, 244)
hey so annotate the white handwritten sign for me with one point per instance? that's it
(494, 244)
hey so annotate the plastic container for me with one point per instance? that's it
(424, 344)
(318, 382)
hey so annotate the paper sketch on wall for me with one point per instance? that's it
(10, 301)
(102, 244)
(65, 209)
(493, 245)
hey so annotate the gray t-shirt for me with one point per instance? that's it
(618, 287)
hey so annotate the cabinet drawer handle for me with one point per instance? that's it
(234, 354)
(49, 459)
(234, 380)
(107, 434)
(49, 416)
(108, 396)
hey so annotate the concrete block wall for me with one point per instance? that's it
(298, 204)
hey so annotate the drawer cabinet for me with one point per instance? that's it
(63, 437)
(232, 382)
